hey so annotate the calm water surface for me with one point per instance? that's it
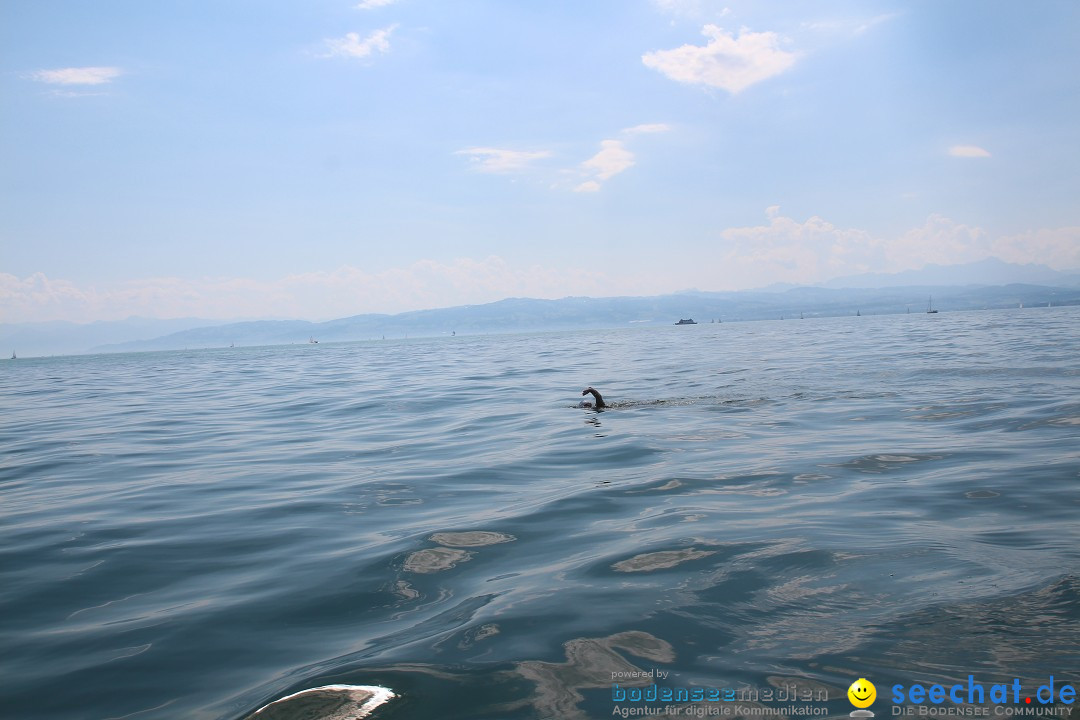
(195, 534)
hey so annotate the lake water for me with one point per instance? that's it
(767, 504)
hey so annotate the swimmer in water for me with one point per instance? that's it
(599, 400)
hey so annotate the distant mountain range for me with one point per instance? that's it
(524, 314)
(67, 338)
(990, 271)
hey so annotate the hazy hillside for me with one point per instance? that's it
(523, 314)
(66, 338)
(955, 291)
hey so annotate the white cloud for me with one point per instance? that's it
(726, 62)
(353, 46)
(852, 26)
(968, 151)
(939, 241)
(786, 250)
(612, 159)
(316, 295)
(1058, 247)
(77, 75)
(647, 128)
(781, 249)
(373, 4)
(499, 160)
(874, 21)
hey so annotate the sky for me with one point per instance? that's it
(239, 159)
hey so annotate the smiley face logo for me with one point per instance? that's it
(862, 693)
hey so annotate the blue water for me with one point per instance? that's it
(195, 534)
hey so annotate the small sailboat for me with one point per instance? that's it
(13, 355)
(930, 306)
(312, 341)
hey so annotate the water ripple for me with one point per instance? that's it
(763, 502)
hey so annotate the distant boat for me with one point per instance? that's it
(13, 355)
(1021, 306)
(930, 306)
(313, 341)
(686, 322)
(858, 314)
